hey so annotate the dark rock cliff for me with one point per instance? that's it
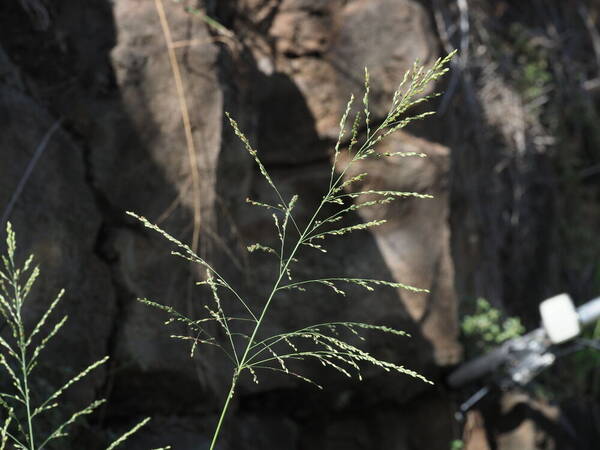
(284, 69)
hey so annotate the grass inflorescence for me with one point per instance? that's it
(23, 410)
(245, 345)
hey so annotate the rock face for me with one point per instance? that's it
(320, 52)
(56, 219)
(284, 70)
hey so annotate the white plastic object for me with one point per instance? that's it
(560, 318)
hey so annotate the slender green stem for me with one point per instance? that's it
(22, 343)
(27, 398)
(224, 409)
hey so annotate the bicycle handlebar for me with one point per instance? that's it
(478, 367)
(537, 341)
(589, 312)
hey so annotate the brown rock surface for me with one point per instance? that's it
(322, 49)
(287, 80)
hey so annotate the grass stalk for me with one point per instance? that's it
(230, 395)
(322, 342)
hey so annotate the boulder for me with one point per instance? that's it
(323, 48)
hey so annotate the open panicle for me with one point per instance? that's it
(251, 352)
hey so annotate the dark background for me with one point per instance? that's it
(514, 164)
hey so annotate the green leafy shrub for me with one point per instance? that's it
(457, 444)
(488, 327)
(247, 347)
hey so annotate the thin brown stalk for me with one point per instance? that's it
(185, 116)
(189, 43)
